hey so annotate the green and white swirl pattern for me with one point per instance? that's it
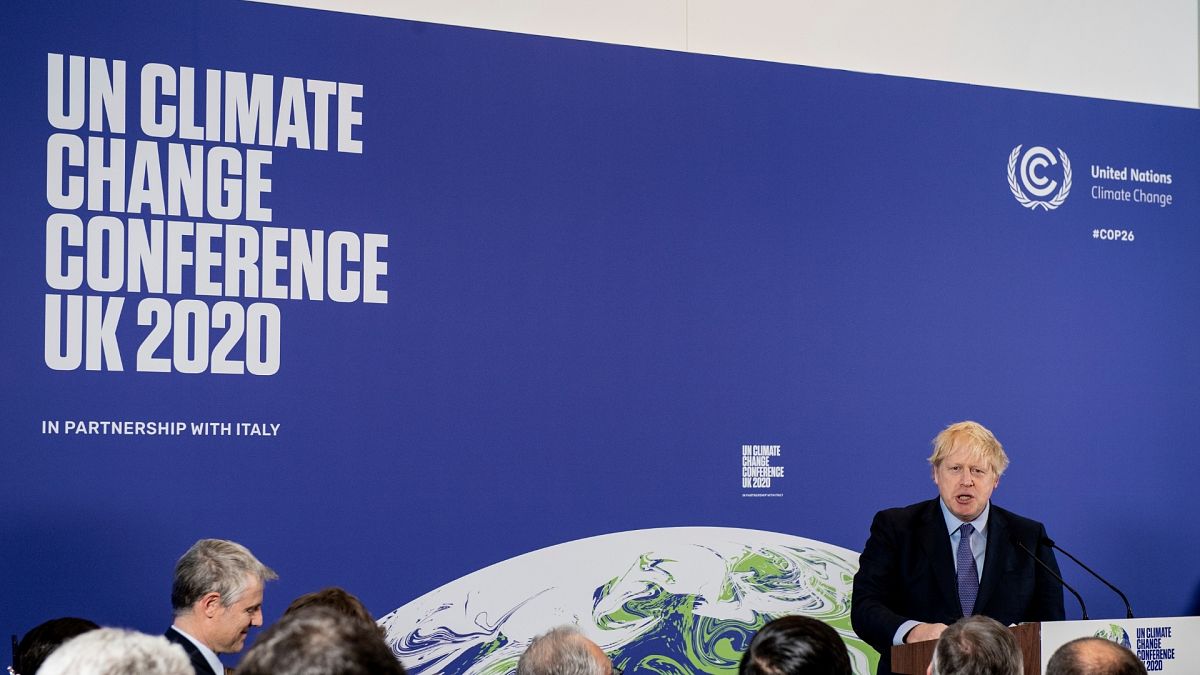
(673, 601)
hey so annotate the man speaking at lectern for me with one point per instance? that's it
(931, 563)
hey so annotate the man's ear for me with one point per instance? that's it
(209, 604)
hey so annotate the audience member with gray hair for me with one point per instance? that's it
(1094, 656)
(115, 651)
(976, 645)
(320, 641)
(217, 597)
(564, 651)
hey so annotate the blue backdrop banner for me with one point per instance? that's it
(544, 330)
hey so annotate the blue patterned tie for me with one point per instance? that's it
(968, 574)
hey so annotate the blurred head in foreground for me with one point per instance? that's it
(976, 645)
(340, 601)
(564, 651)
(1094, 656)
(319, 641)
(796, 645)
(115, 651)
(45, 638)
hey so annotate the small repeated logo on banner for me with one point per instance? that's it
(1036, 177)
(1154, 646)
(761, 471)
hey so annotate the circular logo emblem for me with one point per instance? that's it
(1115, 633)
(1032, 172)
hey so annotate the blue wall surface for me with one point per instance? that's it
(606, 269)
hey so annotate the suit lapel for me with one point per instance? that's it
(199, 663)
(936, 544)
(995, 561)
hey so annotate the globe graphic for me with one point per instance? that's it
(1116, 634)
(669, 601)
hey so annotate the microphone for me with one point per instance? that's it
(1128, 610)
(1082, 607)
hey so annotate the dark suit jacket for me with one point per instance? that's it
(199, 663)
(906, 571)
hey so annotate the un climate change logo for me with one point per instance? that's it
(1115, 633)
(1033, 165)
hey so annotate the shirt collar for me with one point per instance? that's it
(953, 523)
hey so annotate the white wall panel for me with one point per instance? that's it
(1116, 49)
(1099, 48)
(641, 23)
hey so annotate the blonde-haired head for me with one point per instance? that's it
(973, 437)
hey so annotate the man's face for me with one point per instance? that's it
(965, 481)
(231, 624)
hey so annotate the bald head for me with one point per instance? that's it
(563, 651)
(1094, 656)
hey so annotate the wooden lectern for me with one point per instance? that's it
(913, 659)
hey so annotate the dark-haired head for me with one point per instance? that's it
(796, 645)
(45, 638)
